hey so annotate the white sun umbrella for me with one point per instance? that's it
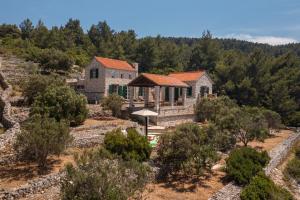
(145, 113)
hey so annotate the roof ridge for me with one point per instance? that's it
(188, 72)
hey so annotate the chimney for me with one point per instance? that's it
(136, 66)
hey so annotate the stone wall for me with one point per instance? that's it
(278, 154)
(7, 120)
(32, 187)
(94, 135)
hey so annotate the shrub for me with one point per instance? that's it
(210, 109)
(99, 175)
(114, 103)
(293, 169)
(261, 187)
(61, 102)
(222, 140)
(133, 146)
(272, 118)
(37, 84)
(186, 150)
(40, 137)
(53, 59)
(244, 163)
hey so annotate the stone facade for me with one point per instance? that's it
(97, 88)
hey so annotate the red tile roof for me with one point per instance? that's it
(115, 64)
(187, 76)
(162, 80)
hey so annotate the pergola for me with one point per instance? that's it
(156, 81)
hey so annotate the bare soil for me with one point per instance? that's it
(20, 173)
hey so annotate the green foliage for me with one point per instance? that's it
(99, 175)
(187, 150)
(37, 84)
(244, 163)
(9, 30)
(41, 137)
(251, 124)
(61, 102)
(263, 188)
(113, 102)
(133, 146)
(242, 123)
(26, 28)
(205, 54)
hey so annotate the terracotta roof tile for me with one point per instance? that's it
(187, 76)
(114, 64)
(164, 80)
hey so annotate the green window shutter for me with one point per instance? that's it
(120, 91)
(110, 89)
(125, 91)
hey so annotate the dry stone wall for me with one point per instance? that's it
(278, 154)
(32, 187)
(7, 120)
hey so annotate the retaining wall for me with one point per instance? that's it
(32, 187)
(7, 120)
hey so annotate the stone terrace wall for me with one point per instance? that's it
(32, 187)
(278, 154)
(7, 120)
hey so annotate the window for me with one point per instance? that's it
(130, 76)
(112, 89)
(80, 87)
(94, 73)
(189, 91)
(113, 74)
(122, 75)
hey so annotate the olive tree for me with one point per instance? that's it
(41, 137)
(114, 103)
(101, 175)
(187, 150)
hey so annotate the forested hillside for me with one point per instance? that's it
(252, 74)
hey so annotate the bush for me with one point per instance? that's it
(244, 163)
(37, 84)
(53, 59)
(211, 109)
(99, 175)
(61, 102)
(133, 146)
(222, 140)
(293, 169)
(261, 187)
(114, 103)
(40, 137)
(187, 150)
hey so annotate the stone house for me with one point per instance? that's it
(173, 96)
(104, 76)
